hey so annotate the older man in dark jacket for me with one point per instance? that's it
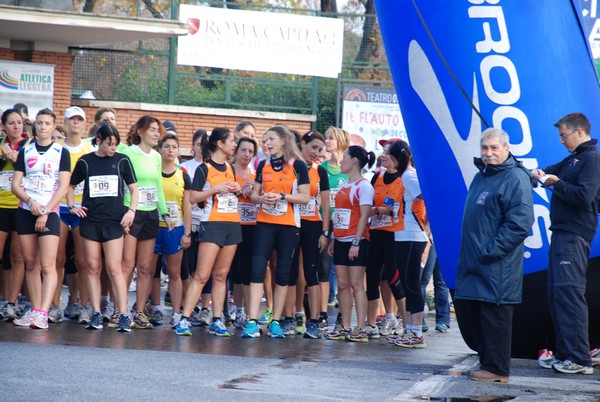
(497, 219)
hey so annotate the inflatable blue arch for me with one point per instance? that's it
(462, 65)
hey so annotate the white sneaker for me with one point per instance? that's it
(175, 318)
(85, 314)
(24, 321)
(372, 332)
(399, 328)
(240, 321)
(387, 325)
(55, 314)
(108, 311)
(39, 320)
(568, 367)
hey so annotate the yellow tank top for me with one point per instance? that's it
(7, 198)
(76, 152)
(173, 188)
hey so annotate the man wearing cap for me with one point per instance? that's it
(169, 127)
(73, 142)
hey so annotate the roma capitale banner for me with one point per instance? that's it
(261, 41)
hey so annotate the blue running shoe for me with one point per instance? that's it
(124, 324)
(95, 321)
(252, 330)
(218, 328)
(313, 331)
(275, 330)
(287, 327)
(183, 328)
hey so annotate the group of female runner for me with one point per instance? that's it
(137, 204)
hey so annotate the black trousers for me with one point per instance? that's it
(487, 329)
(566, 296)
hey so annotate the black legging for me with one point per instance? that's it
(381, 264)
(409, 255)
(240, 269)
(269, 237)
(310, 232)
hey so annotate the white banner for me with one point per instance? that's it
(372, 114)
(261, 41)
(28, 83)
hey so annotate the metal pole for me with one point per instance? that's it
(172, 48)
(315, 101)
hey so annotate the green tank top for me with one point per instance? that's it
(336, 178)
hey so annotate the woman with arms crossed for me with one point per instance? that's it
(10, 145)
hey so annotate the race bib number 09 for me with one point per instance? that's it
(104, 186)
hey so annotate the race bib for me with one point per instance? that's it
(39, 183)
(247, 212)
(6, 179)
(227, 203)
(279, 209)
(381, 221)
(385, 220)
(79, 188)
(103, 186)
(332, 193)
(173, 211)
(148, 197)
(341, 218)
(310, 208)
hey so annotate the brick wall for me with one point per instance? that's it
(63, 72)
(189, 119)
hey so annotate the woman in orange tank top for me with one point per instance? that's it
(219, 233)
(314, 238)
(282, 184)
(240, 269)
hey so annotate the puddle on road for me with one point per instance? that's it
(470, 399)
(236, 383)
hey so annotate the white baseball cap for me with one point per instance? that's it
(74, 111)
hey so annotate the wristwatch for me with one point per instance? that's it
(356, 242)
(188, 234)
(282, 196)
(165, 216)
(325, 233)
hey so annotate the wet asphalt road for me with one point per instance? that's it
(70, 363)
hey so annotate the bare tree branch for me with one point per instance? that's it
(152, 8)
(329, 6)
(88, 6)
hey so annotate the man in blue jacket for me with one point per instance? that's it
(497, 219)
(574, 216)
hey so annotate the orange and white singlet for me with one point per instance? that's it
(347, 209)
(394, 190)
